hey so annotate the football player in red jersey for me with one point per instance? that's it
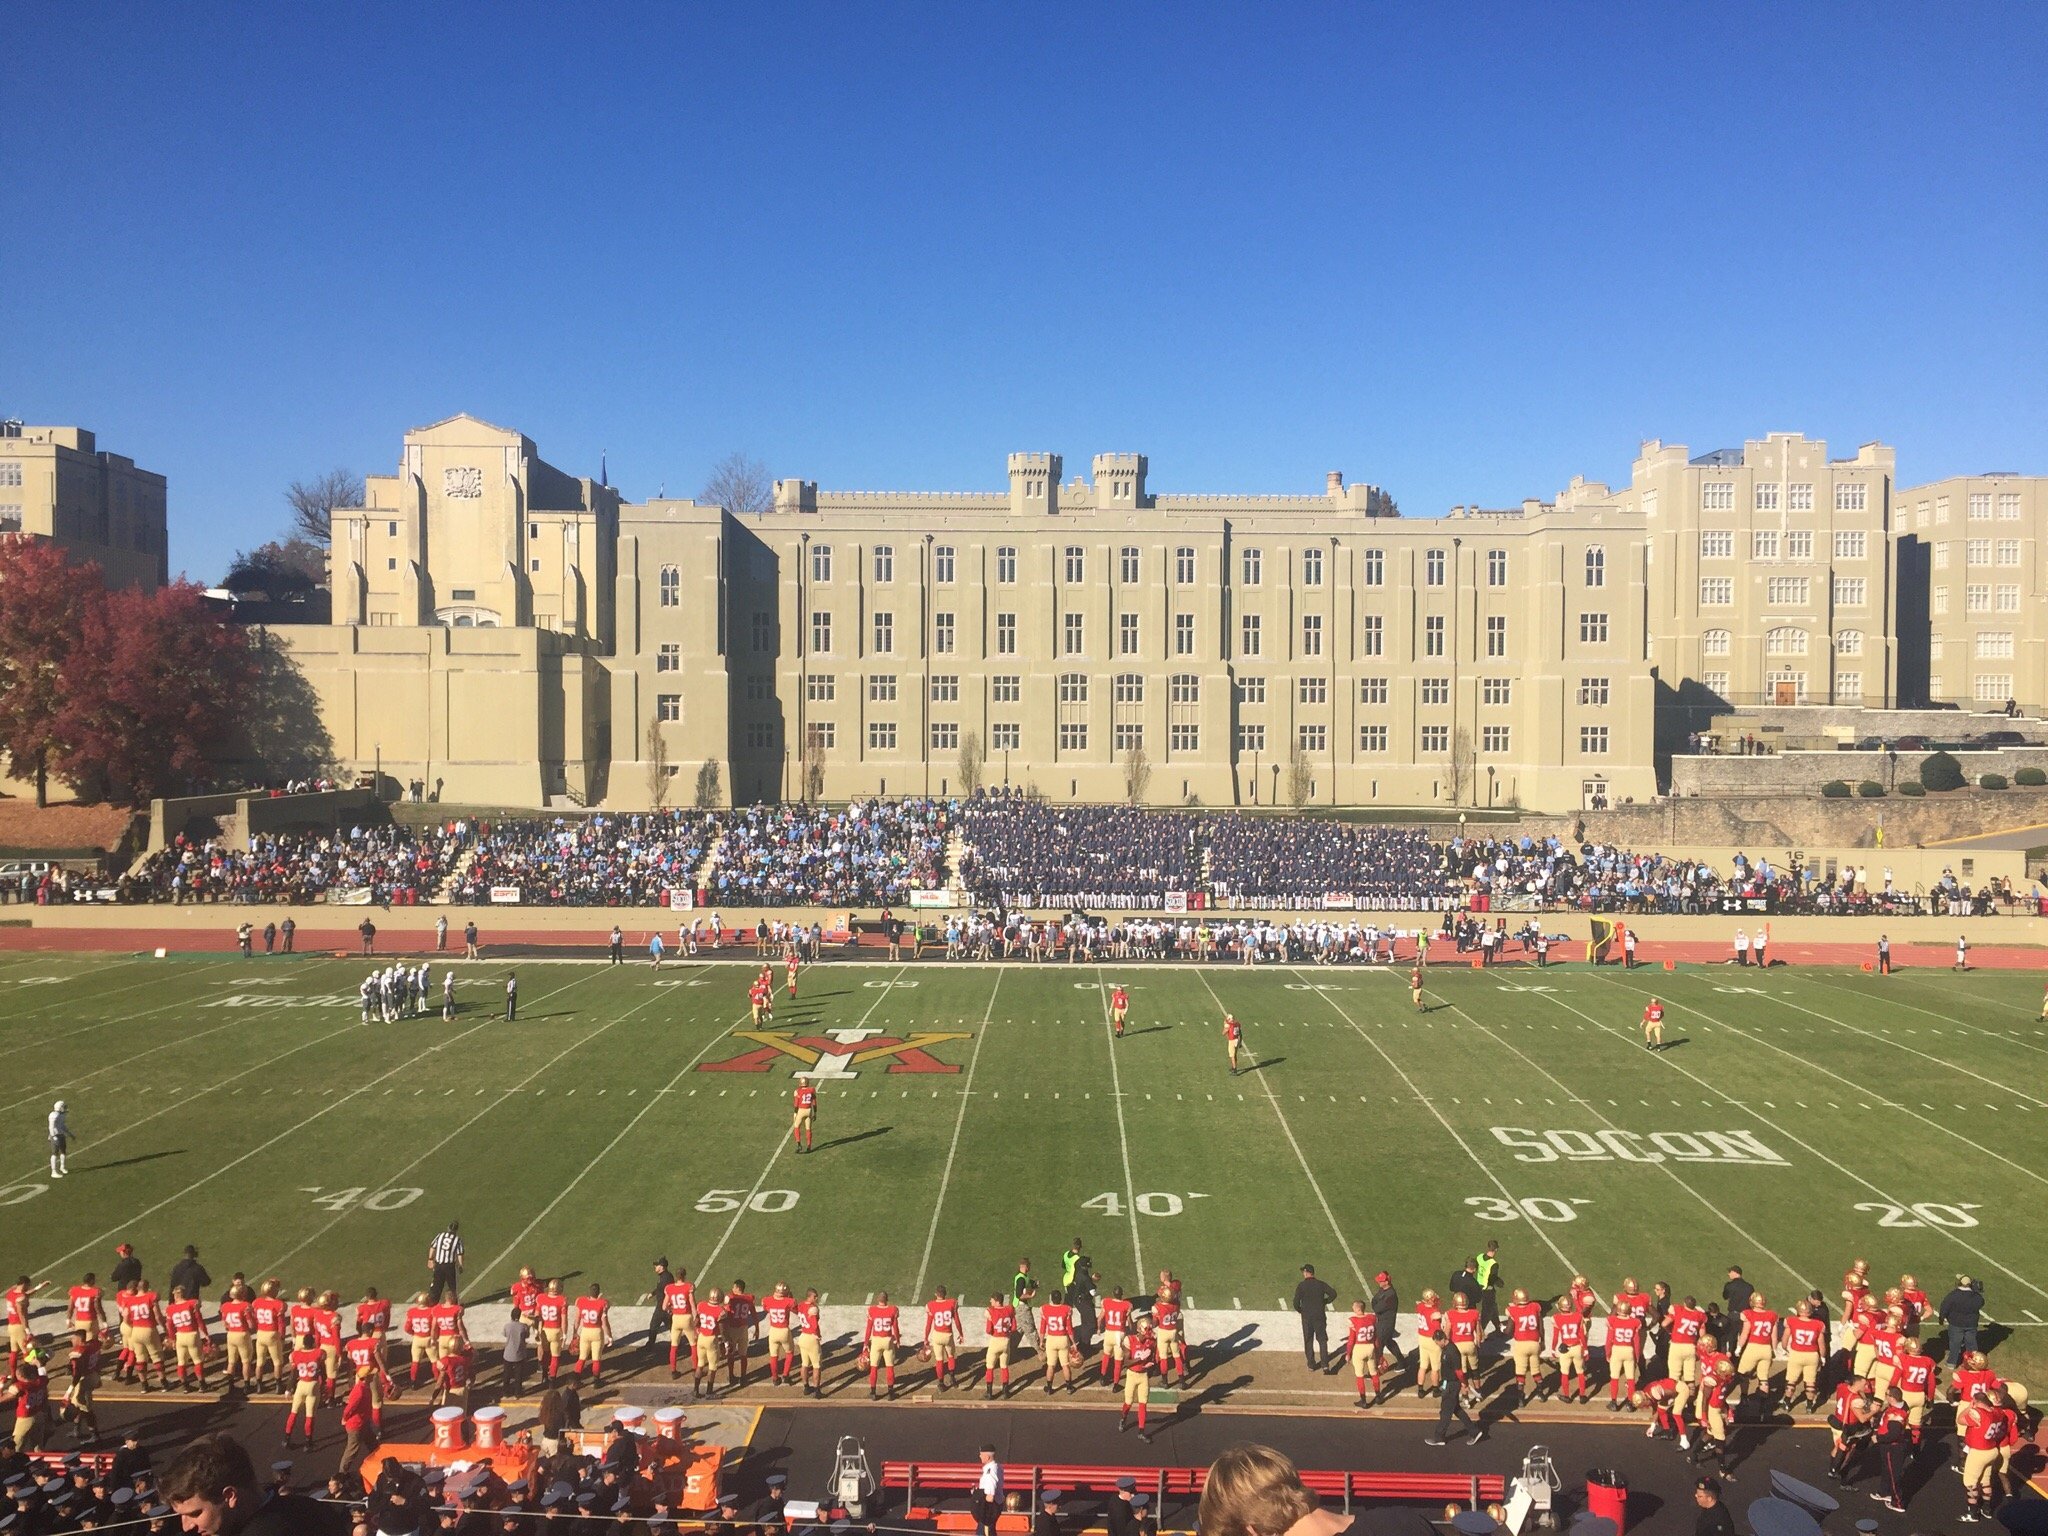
(1989, 1427)
(792, 974)
(186, 1319)
(878, 1339)
(1712, 1444)
(18, 1297)
(593, 1330)
(1525, 1344)
(307, 1367)
(238, 1323)
(86, 1307)
(1806, 1340)
(327, 1335)
(365, 1354)
(941, 1334)
(1919, 1375)
(1665, 1398)
(778, 1311)
(145, 1324)
(1653, 1025)
(1233, 1038)
(710, 1316)
(1119, 1007)
(268, 1311)
(524, 1293)
(1624, 1341)
(1362, 1348)
(1849, 1423)
(453, 1374)
(803, 1129)
(742, 1323)
(1001, 1328)
(85, 1380)
(680, 1297)
(1429, 1344)
(373, 1316)
(418, 1328)
(1167, 1336)
(1685, 1321)
(1759, 1335)
(1568, 1343)
(1056, 1330)
(552, 1311)
(810, 1344)
(1116, 1326)
(1141, 1354)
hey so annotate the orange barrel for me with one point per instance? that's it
(490, 1428)
(632, 1417)
(448, 1429)
(668, 1423)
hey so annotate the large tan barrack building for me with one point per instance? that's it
(57, 484)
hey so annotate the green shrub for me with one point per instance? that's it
(1912, 789)
(1940, 772)
(1834, 789)
(1870, 789)
(1992, 781)
(2031, 778)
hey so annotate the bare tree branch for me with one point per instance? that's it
(740, 485)
(313, 502)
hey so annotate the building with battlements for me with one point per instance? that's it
(56, 484)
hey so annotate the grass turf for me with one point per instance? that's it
(1798, 1119)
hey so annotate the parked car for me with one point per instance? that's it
(16, 868)
(1867, 744)
(1912, 744)
(2001, 739)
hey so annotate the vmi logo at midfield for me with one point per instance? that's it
(833, 1055)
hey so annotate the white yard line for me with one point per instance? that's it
(1941, 1061)
(1116, 1093)
(41, 1041)
(284, 1135)
(782, 1143)
(1923, 976)
(503, 1096)
(1430, 1104)
(1357, 1269)
(1976, 1029)
(1884, 1098)
(953, 1151)
(1666, 1059)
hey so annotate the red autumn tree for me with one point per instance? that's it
(153, 693)
(44, 600)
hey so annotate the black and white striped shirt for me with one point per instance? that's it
(446, 1249)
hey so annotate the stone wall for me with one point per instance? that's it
(1779, 773)
(1765, 821)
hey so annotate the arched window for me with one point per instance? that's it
(1785, 642)
(1596, 566)
(671, 587)
(1715, 642)
(1849, 643)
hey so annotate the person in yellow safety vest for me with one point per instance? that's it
(1488, 1272)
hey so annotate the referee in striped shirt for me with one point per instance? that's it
(444, 1263)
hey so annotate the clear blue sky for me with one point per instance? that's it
(1463, 252)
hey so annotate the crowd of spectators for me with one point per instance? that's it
(385, 865)
(629, 860)
(1028, 853)
(870, 853)
(1297, 858)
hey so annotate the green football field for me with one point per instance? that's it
(973, 1114)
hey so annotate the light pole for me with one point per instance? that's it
(377, 779)
(1489, 786)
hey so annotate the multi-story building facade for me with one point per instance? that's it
(509, 634)
(1973, 581)
(56, 484)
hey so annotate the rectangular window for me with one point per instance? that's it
(10, 472)
(945, 687)
(1593, 690)
(1940, 509)
(1715, 683)
(882, 688)
(1851, 496)
(821, 687)
(1005, 688)
(1593, 740)
(1073, 687)
(945, 735)
(942, 633)
(885, 562)
(1766, 497)
(1850, 643)
(1076, 629)
(1127, 634)
(669, 659)
(763, 631)
(1251, 690)
(2008, 597)
(1596, 566)
(1311, 567)
(1799, 544)
(1496, 567)
(1436, 738)
(1006, 565)
(1788, 591)
(1994, 645)
(1851, 544)
(1129, 688)
(1375, 638)
(1251, 738)
(1992, 687)
(1763, 544)
(1941, 556)
(942, 563)
(1715, 642)
(881, 735)
(1848, 687)
(823, 734)
(1373, 566)
(1496, 690)
(1127, 562)
(1496, 635)
(1718, 496)
(1433, 635)
(1251, 634)
(1127, 736)
(1592, 629)
(1493, 738)
(1183, 634)
(1311, 634)
(1184, 738)
(885, 633)
(1314, 738)
(1006, 634)
(1433, 568)
(1977, 551)
(1938, 601)
(2008, 506)
(1977, 597)
(1073, 736)
(1849, 591)
(1253, 562)
(1184, 688)
(1184, 566)
(821, 562)
(1799, 498)
(1980, 506)
(668, 707)
(1372, 690)
(1436, 690)
(1716, 591)
(1006, 736)
(761, 735)
(821, 633)
(1077, 565)
(1717, 544)
(1315, 690)
(1372, 738)
(2008, 551)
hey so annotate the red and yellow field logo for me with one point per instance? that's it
(835, 1055)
